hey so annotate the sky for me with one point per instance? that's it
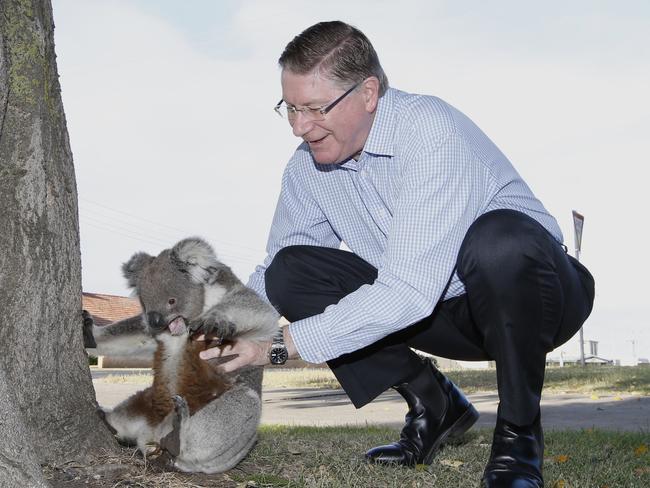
(169, 111)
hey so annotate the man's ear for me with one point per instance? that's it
(370, 91)
(197, 259)
(132, 268)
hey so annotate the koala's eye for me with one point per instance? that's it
(171, 301)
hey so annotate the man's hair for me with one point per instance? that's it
(336, 50)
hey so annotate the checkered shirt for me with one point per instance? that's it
(425, 174)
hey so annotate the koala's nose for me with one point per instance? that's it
(155, 320)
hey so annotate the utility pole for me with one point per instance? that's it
(578, 222)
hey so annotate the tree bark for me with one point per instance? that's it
(45, 385)
(18, 465)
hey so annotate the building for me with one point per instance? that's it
(106, 309)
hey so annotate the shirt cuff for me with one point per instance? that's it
(312, 343)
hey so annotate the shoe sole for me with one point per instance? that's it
(456, 430)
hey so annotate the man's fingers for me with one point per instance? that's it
(235, 364)
(213, 352)
(226, 352)
(233, 356)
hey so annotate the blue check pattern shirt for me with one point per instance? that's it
(425, 174)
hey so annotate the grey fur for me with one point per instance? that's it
(239, 409)
(123, 338)
(207, 293)
(189, 281)
(133, 266)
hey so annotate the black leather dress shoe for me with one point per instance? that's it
(517, 456)
(427, 426)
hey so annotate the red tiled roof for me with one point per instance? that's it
(106, 309)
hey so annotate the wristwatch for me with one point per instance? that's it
(278, 353)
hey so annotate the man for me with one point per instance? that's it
(452, 254)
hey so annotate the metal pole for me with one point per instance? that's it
(578, 221)
(582, 341)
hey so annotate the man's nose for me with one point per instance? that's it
(301, 124)
(155, 320)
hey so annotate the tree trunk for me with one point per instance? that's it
(47, 402)
(18, 465)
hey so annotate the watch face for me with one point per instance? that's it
(278, 355)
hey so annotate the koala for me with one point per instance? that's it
(204, 420)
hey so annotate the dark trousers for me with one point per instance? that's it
(524, 296)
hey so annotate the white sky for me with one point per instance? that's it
(169, 110)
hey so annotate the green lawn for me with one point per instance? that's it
(591, 379)
(332, 457)
(574, 379)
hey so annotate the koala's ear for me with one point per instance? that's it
(132, 268)
(197, 259)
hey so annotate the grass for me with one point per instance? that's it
(570, 379)
(332, 457)
(300, 378)
(324, 457)
(574, 379)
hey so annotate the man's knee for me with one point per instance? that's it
(279, 274)
(502, 241)
(303, 280)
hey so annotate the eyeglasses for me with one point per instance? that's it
(310, 113)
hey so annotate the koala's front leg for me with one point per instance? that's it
(128, 336)
(214, 323)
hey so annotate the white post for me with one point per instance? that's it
(578, 222)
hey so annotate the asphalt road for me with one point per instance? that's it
(310, 406)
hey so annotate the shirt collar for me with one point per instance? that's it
(380, 139)
(381, 136)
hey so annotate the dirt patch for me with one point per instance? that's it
(129, 469)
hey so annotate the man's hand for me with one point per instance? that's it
(246, 353)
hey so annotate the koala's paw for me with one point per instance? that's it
(88, 322)
(152, 450)
(216, 326)
(171, 443)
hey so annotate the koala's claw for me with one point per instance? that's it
(195, 327)
(172, 441)
(221, 328)
(227, 329)
(152, 450)
(89, 339)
